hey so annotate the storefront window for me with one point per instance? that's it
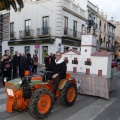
(45, 53)
(74, 48)
(27, 49)
(11, 51)
(66, 48)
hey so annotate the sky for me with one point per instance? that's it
(111, 7)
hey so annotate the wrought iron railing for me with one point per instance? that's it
(72, 33)
(43, 31)
(12, 35)
(26, 33)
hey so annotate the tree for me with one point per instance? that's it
(114, 47)
(5, 4)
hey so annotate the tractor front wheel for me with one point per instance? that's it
(41, 103)
(68, 94)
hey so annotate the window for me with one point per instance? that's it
(104, 27)
(74, 48)
(104, 39)
(27, 25)
(75, 61)
(45, 28)
(27, 49)
(65, 25)
(11, 51)
(66, 22)
(74, 28)
(11, 27)
(45, 22)
(66, 48)
(100, 23)
(82, 28)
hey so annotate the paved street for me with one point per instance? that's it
(85, 108)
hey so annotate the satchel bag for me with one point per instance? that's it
(35, 63)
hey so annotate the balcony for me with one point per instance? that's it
(72, 33)
(113, 35)
(26, 33)
(91, 31)
(110, 33)
(43, 31)
(13, 35)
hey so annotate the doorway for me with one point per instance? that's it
(44, 53)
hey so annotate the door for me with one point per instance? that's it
(44, 53)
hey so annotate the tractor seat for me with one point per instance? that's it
(68, 76)
(36, 78)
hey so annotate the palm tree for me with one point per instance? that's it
(5, 4)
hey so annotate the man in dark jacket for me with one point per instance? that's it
(58, 67)
(15, 64)
(19, 63)
(23, 65)
(29, 63)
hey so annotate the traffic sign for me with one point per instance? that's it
(37, 46)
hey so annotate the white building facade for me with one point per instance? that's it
(50, 25)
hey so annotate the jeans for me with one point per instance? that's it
(15, 71)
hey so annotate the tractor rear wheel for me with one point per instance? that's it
(41, 103)
(68, 94)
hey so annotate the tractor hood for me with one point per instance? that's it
(16, 82)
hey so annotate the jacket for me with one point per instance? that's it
(15, 60)
(23, 62)
(58, 68)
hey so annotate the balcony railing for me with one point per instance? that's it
(110, 33)
(113, 35)
(26, 33)
(91, 30)
(12, 35)
(43, 31)
(72, 33)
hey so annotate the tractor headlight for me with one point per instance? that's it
(20, 82)
(10, 92)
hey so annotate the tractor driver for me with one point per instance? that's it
(58, 67)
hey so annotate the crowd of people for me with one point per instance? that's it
(18, 63)
(23, 62)
(115, 64)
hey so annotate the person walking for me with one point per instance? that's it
(15, 62)
(35, 63)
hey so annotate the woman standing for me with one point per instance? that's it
(6, 66)
(35, 63)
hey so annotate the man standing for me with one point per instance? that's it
(19, 63)
(23, 65)
(58, 67)
(15, 64)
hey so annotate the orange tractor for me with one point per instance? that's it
(38, 95)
